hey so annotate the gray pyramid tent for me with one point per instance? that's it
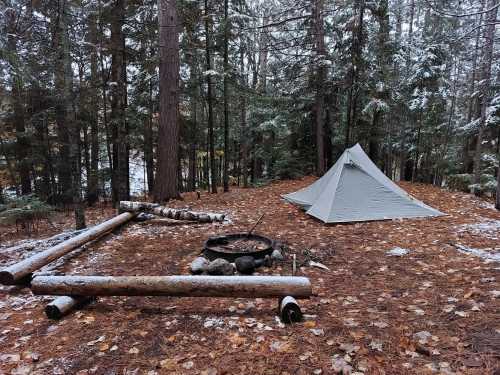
(354, 189)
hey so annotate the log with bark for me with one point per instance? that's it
(167, 222)
(22, 271)
(171, 213)
(65, 304)
(175, 286)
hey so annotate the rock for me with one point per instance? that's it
(276, 255)
(245, 265)
(340, 366)
(220, 267)
(317, 331)
(267, 262)
(422, 336)
(199, 265)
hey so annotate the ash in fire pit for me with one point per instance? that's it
(233, 246)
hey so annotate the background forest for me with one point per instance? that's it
(267, 90)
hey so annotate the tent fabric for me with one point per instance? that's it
(354, 189)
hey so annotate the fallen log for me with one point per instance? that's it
(28, 245)
(171, 213)
(65, 304)
(22, 270)
(175, 286)
(167, 222)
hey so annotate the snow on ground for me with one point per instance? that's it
(487, 228)
(397, 251)
(492, 255)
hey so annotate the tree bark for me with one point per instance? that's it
(171, 213)
(167, 184)
(381, 91)
(489, 40)
(211, 149)
(93, 172)
(320, 55)
(22, 141)
(63, 107)
(243, 120)
(226, 103)
(355, 71)
(148, 132)
(120, 173)
(175, 286)
(63, 305)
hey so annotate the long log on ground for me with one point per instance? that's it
(171, 213)
(20, 271)
(167, 222)
(64, 305)
(175, 286)
(27, 245)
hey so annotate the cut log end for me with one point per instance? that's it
(290, 310)
(53, 312)
(9, 278)
(6, 278)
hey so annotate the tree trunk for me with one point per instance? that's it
(489, 40)
(22, 141)
(320, 56)
(381, 92)
(354, 73)
(226, 104)
(63, 107)
(167, 184)
(93, 172)
(211, 149)
(243, 121)
(120, 188)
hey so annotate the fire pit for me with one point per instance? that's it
(232, 246)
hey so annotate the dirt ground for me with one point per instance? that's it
(432, 310)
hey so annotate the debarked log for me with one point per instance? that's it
(65, 304)
(20, 271)
(171, 213)
(175, 286)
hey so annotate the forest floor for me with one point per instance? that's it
(432, 310)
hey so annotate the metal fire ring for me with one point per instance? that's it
(212, 247)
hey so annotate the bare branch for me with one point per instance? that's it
(461, 15)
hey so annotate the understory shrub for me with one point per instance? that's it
(25, 211)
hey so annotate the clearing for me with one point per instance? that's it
(432, 304)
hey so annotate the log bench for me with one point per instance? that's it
(286, 288)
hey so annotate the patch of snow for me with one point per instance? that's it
(491, 255)
(487, 228)
(397, 251)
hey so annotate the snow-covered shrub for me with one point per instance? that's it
(460, 182)
(26, 209)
